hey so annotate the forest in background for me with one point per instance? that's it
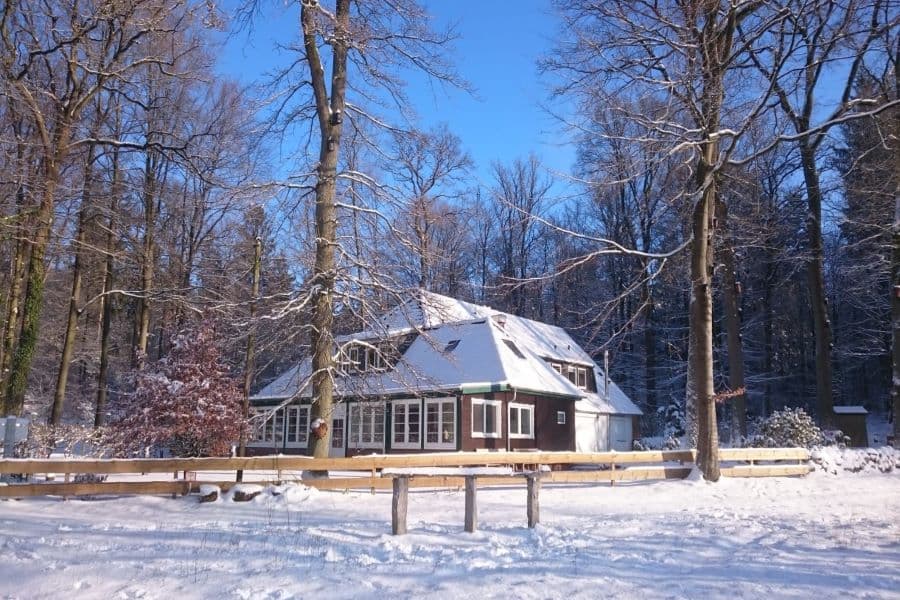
(136, 180)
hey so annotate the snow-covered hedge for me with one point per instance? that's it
(787, 428)
(832, 459)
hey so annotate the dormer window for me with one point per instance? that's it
(368, 357)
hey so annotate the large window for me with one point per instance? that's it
(297, 425)
(407, 419)
(521, 421)
(263, 426)
(440, 424)
(578, 376)
(486, 418)
(366, 425)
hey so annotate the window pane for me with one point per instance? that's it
(279, 425)
(378, 423)
(399, 423)
(366, 433)
(478, 418)
(337, 433)
(490, 419)
(448, 423)
(303, 425)
(414, 418)
(526, 421)
(431, 423)
(514, 420)
(355, 423)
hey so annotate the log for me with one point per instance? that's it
(399, 504)
(471, 504)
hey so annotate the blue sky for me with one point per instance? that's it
(500, 41)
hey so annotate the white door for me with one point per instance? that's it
(591, 432)
(338, 431)
(620, 434)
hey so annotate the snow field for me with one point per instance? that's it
(822, 536)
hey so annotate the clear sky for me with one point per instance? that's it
(500, 41)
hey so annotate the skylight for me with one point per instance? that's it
(514, 348)
(451, 345)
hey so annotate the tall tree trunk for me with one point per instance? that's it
(148, 250)
(249, 356)
(14, 302)
(700, 353)
(816, 277)
(34, 288)
(768, 340)
(68, 349)
(895, 276)
(649, 347)
(106, 309)
(328, 112)
(732, 300)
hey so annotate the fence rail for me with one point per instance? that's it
(617, 466)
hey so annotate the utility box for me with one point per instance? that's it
(851, 420)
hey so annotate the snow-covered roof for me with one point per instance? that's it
(850, 410)
(494, 351)
(614, 402)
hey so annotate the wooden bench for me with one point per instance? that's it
(401, 478)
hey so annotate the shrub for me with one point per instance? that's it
(787, 428)
(186, 403)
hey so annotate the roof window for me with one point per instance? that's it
(451, 345)
(514, 348)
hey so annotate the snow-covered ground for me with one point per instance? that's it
(823, 536)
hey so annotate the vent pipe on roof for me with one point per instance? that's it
(606, 374)
(500, 320)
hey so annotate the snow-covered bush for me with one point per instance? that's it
(787, 428)
(856, 460)
(186, 403)
(70, 440)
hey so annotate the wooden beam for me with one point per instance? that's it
(119, 488)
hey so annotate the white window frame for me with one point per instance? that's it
(521, 408)
(356, 358)
(560, 417)
(497, 407)
(557, 367)
(404, 443)
(263, 424)
(581, 376)
(295, 411)
(442, 444)
(354, 437)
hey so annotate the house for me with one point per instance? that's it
(439, 374)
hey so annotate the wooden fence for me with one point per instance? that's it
(362, 472)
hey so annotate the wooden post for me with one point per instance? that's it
(471, 505)
(398, 504)
(533, 505)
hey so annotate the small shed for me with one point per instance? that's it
(851, 420)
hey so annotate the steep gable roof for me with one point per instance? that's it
(465, 346)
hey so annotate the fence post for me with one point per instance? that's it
(398, 504)
(9, 437)
(533, 504)
(471, 504)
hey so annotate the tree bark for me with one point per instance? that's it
(816, 277)
(328, 112)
